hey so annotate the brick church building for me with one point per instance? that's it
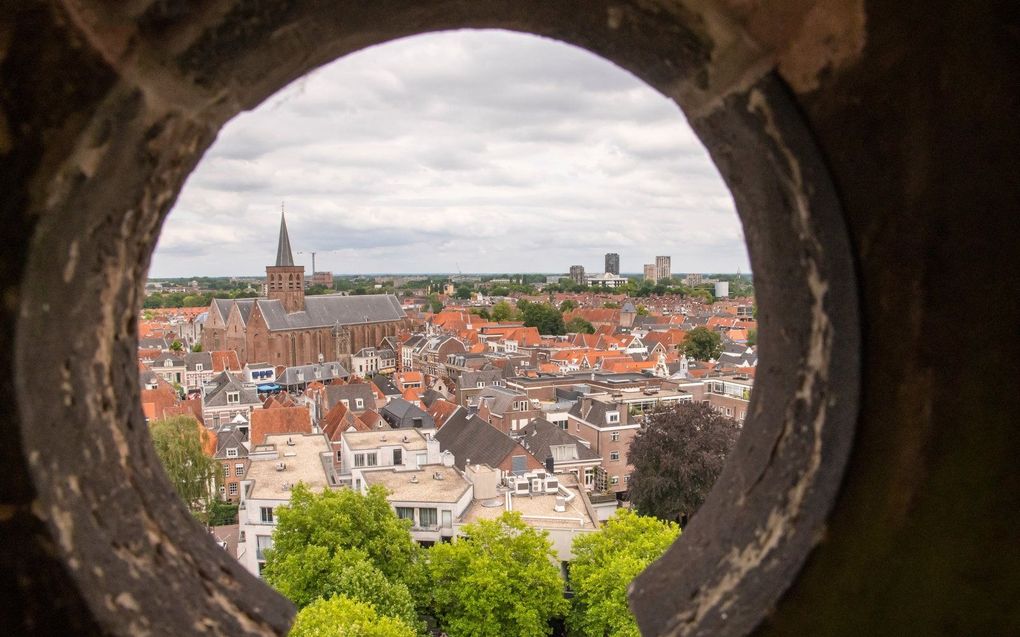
(287, 328)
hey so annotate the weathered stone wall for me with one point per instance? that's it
(870, 148)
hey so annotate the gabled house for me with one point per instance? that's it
(402, 414)
(198, 370)
(505, 409)
(564, 452)
(226, 396)
(471, 440)
(232, 454)
(358, 397)
(608, 429)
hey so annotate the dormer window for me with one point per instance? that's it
(613, 417)
(198, 367)
(232, 452)
(359, 403)
(233, 397)
(168, 363)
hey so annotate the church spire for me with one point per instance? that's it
(283, 254)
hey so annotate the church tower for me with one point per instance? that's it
(286, 281)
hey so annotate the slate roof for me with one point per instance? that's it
(222, 307)
(468, 380)
(229, 436)
(193, 359)
(401, 414)
(284, 257)
(500, 400)
(329, 309)
(385, 385)
(336, 393)
(471, 438)
(244, 306)
(153, 343)
(594, 412)
(325, 371)
(217, 396)
(540, 434)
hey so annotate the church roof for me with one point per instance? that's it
(328, 310)
(283, 253)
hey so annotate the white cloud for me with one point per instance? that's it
(490, 150)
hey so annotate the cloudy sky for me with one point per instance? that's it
(483, 151)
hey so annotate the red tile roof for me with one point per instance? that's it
(284, 420)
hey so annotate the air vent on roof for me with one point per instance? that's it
(414, 479)
(438, 475)
(280, 466)
(290, 442)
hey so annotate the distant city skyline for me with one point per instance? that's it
(459, 151)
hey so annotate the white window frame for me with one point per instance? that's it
(232, 452)
(239, 470)
(615, 436)
(614, 456)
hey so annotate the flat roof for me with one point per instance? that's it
(302, 460)
(539, 510)
(420, 485)
(409, 439)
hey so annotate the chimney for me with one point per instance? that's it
(549, 464)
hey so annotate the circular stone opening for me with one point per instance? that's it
(132, 551)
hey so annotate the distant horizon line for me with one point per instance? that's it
(394, 274)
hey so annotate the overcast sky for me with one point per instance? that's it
(483, 151)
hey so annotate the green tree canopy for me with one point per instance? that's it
(503, 311)
(345, 519)
(197, 347)
(179, 444)
(343, 617)
(567, 305)
(752, 337)
(604, 564)
(176, 345)
(463, 292)
(311, 573)
(579, 325)
(543, 316)
(702, 344)
(677, 457)
(498, 579)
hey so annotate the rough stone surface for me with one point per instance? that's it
(870, 150)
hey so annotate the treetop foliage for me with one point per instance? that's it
(344, 617)
(677, 457)
(344, 519)
(498, 579)
(311, 573)
(179, 442)
(605, 562)
(702, 344)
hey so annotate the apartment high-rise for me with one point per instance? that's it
(612, 263)
(662, 269)
(650, 272)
